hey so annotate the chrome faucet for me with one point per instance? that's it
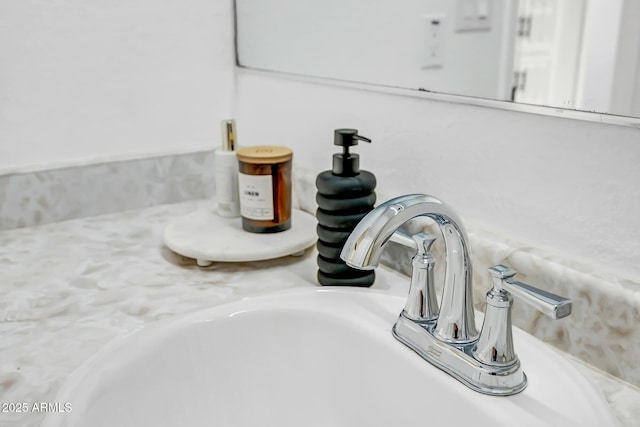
(446, 335)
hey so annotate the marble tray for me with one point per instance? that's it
(207, 237)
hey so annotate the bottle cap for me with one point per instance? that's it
(345, 163)
(228, 128)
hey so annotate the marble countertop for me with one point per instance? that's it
(70, 287)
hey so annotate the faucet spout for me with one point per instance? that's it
(363, 248)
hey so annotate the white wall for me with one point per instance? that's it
(89, 81)
(566, 185)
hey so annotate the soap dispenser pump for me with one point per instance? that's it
(345, 195)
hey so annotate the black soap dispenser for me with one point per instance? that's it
(345, 195)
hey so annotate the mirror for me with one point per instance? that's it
(570, 54)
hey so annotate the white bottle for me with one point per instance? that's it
(226, 172)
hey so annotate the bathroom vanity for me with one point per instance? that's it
(74, 286)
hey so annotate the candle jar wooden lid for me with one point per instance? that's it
(264, 154)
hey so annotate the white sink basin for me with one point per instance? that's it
(310, 357)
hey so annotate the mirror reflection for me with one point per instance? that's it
(574, 54)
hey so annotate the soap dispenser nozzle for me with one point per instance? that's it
(346, 163)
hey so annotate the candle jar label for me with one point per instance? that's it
(256, 196)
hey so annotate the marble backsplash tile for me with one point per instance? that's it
(36, 198)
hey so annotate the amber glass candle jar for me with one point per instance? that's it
(265, 188)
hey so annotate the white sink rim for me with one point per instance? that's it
(91, 373)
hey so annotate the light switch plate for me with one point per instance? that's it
(433, 44)
(473, 15)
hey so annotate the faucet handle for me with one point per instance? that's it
(552, 305)
(422, 305)
(495, 345)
